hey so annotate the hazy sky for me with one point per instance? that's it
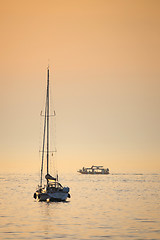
(104, 58)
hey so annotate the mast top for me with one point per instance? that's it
(48, 63)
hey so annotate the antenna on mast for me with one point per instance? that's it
(48, 63)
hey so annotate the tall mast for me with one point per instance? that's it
(48, 120)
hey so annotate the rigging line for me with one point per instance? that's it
(43, 141)
(49, 151)
(55, 143)
(53, 126)
(47, 121)
(52, 115)
(40, 133)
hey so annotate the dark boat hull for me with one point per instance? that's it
(53, 197)
(94, 173)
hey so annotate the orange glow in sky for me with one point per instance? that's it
(104, 61)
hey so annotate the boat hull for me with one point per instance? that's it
(54, 197)
(99, 173)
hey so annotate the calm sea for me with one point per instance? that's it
(115, 206)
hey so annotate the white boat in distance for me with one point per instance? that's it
(53, 190)
(94, 170)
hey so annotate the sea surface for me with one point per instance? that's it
(115, 206)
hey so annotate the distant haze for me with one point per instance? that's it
(104, 59)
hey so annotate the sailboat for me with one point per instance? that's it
(52, 190)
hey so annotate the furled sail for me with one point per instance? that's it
(49, 177)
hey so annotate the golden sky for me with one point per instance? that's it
(104, 61)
